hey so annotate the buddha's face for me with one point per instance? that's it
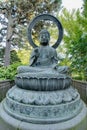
(44, 37)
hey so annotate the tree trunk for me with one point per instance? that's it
(8, 41)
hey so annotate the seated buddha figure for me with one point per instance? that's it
(43, 57)
(43, 73)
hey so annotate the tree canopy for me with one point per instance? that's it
(18, 14)
(75, 40)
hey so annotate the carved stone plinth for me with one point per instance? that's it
(42, 107)
(9, 122)
(48, 80)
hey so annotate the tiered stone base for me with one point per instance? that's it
(42, 106)
(43, 110)
(7, 122)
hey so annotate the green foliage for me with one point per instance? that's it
(9, 72)
(24, 55)
(14, 57)
(75, 41)
(85, 8)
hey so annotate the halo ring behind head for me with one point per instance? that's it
(45, 17)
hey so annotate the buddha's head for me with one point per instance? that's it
(44, 37)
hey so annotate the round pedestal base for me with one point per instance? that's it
(43, 107)
(79, 122)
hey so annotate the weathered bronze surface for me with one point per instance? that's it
(43, 91)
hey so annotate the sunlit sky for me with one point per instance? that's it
(70, 4)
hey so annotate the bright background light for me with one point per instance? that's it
(72, 4)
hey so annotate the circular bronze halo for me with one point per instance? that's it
(45, 17)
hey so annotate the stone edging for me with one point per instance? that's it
(5, 85)
(81, 86)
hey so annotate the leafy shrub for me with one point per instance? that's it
(9, 72)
